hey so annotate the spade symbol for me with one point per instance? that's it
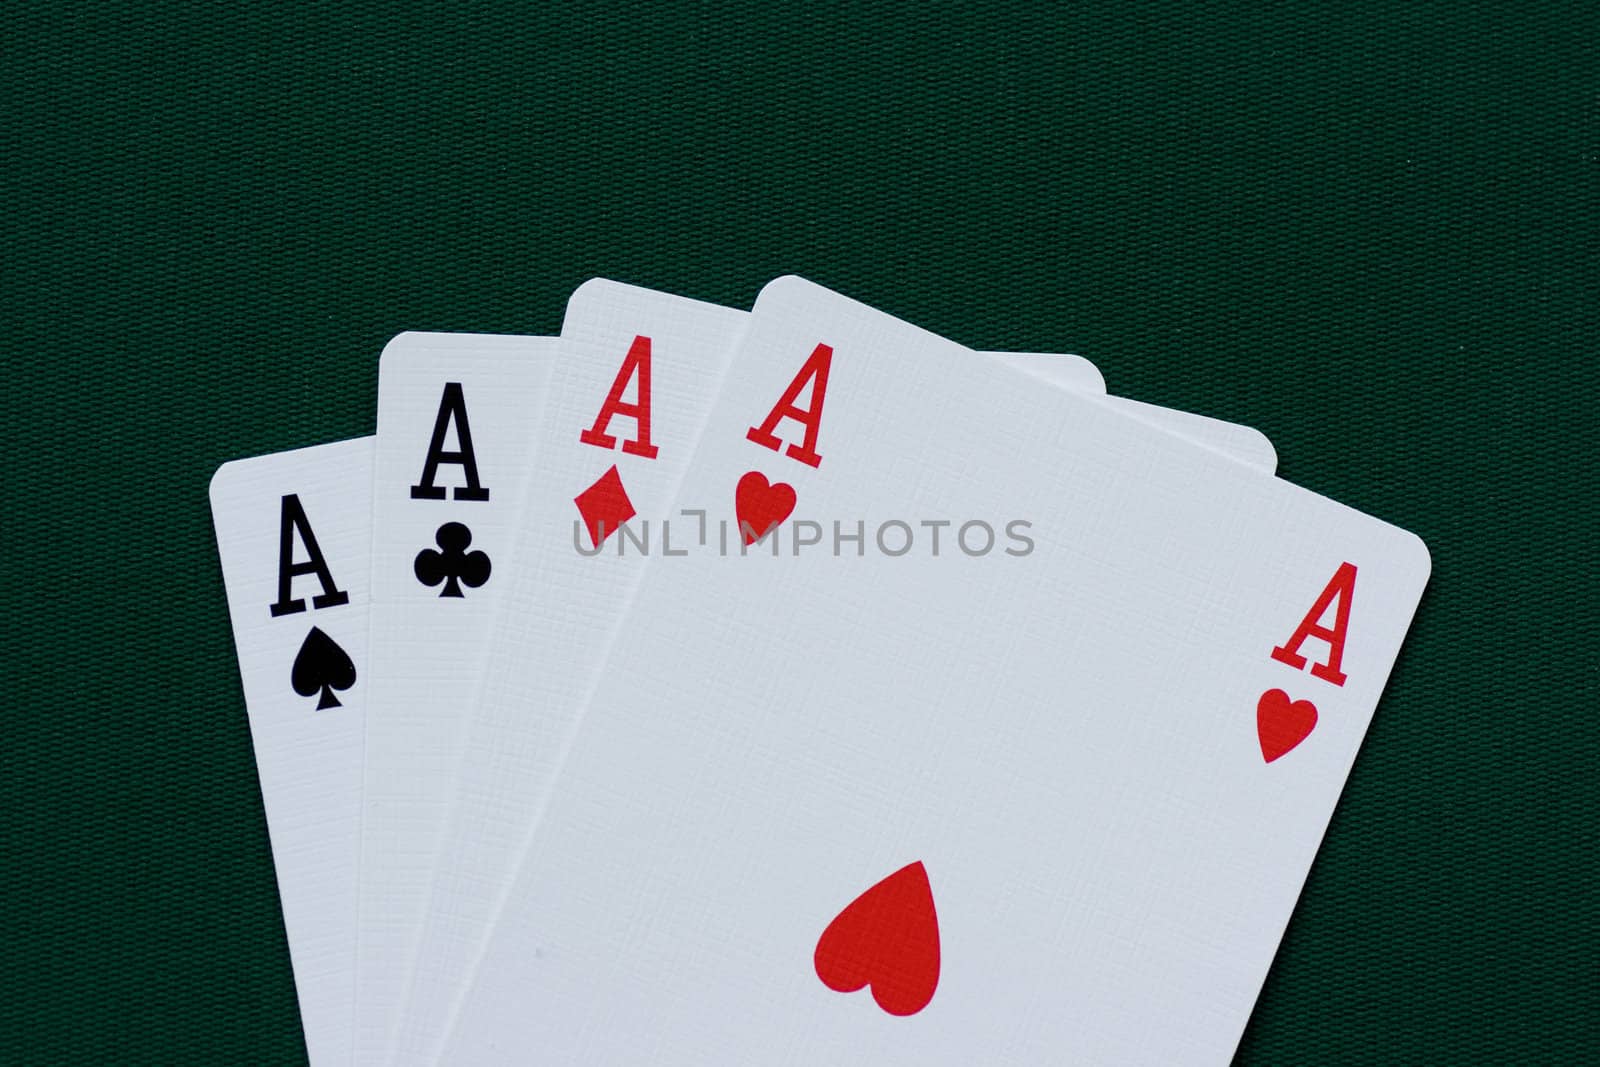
(452, 564)
(322, 666)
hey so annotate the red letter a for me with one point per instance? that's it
(1341, 587)
(815, 368)
(637, 362)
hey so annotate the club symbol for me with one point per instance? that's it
(452, 564)
(320, 667)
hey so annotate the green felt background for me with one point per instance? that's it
(1369, 232)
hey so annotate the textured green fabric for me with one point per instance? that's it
(1370, 232)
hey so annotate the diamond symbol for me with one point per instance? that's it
(604, 506)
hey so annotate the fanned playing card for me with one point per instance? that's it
(635, 381)
(1047, 793)
(294, 531)
(456, 416)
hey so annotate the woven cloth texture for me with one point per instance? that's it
(1369, 230)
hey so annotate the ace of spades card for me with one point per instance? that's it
(294, 533)
(1019, 805)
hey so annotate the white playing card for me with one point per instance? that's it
(457, 414)
(555, 621)
(294, 531)
(1068, 754)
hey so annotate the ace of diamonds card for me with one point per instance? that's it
(1028, 807)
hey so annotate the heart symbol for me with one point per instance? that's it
(760, 505)
(1281, 723)
(888, 938)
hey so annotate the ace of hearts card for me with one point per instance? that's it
(1047, 798)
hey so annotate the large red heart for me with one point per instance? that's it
(888, 938)
(760, 505)
(1281, 723)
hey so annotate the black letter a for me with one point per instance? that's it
(292, 520)
(452, 405)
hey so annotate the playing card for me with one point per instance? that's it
(457, 414)
(635, 382)
(1045, 792)
(294, 533)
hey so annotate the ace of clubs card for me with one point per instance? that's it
(457, 415)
